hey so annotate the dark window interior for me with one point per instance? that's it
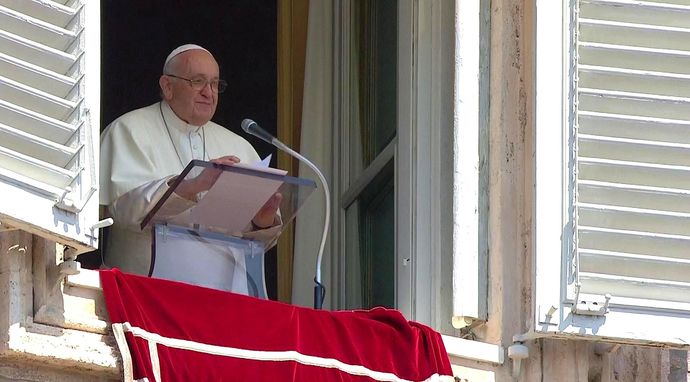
(136, 37)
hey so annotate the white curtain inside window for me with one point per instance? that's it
(316, 144)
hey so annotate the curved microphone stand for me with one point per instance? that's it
(319, 289)
(253, 128)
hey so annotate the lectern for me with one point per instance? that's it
(210, 241)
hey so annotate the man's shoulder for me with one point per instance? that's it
(135, 125)
(221, 139)
(138, 115)
(222, 130)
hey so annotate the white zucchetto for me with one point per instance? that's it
(182, 49)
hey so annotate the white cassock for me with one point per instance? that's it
(139, 155)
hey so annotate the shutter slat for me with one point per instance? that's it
(637, 12)
(638, 35)
(35, 53)
(634, 127)
(669, 2)
(39, 148)
(36, 124)
(643, 5)
(631, 265)
(45, 10)
(634, 287)
(634, 219)
(34, 185)
(635, 242)
(36, 100)
(595, 146)
(39, 78)
(35, 169)
(636, 173)
(641, 58)
(637, 104)
(40, 31)
(625, 195)
(635, 81)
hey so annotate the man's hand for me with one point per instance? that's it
(189, 188)
(266, 215)
(227, 160)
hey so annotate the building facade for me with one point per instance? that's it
(514, 174)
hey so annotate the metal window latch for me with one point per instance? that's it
(590, 308)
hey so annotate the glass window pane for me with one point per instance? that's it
(370, 232)
(373, 73)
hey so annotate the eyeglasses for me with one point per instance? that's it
(218, 86)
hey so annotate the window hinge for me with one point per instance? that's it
(589, 308)
(548, 316)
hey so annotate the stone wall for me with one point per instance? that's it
(511, 240)
(50, 330)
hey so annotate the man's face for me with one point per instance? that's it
(195, 107)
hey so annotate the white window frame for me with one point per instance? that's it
(441, 184)
(341, 144)
(441, 181)
(424, 248)
(553, 316)
(423, 155)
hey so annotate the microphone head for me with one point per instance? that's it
(251, 127)
(246, 123)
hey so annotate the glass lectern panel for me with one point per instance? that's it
(208, 259)
(202, 226)
(225, 199)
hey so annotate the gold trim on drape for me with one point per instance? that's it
(292, 42)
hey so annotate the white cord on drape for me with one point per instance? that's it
(121, 340)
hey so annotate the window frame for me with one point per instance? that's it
(422, 155)
(349, 189)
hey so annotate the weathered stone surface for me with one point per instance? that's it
(50, 330)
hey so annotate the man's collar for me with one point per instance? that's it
(174, 122)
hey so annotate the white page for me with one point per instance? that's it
(234, 200)
(266, 162)
(263, 166)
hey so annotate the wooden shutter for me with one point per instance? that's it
(612, 204)
(633, 150)
(49, 103)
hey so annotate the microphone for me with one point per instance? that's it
(251, 127)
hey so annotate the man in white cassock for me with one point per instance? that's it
(143, 151)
